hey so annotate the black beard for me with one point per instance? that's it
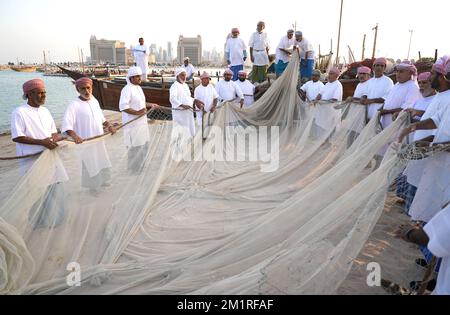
(242, 80)
(435, 84)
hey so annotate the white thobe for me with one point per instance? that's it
(86, 119)
(136, 133)
(141, 54)
(36, 123)
(32, 122)
(434, 187)
(285, 43)
(430, 105)
(207, 95)
(190, 70)
(402, 95)
(378, 88)
(438, 231)
(326, 116)
(361, 89)
(229, 91)
(181, 95)
(423, 105)
(248, 89)
(259, 42)
(235, 47)
(305, 46)
(312, 89)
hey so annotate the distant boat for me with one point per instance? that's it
(107, 91)
(24, 68)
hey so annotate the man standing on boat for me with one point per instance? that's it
(235, 53)
(141, 53)
(378, 88)
(283, 55)
(228, 90)
(306, 56)
(189, 68)
(183, 104)
(259, 53)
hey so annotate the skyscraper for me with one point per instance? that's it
(190, 47)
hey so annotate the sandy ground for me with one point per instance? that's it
(395, 257)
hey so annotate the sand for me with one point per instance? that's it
(396, 257)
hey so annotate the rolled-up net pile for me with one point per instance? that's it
(282, 210)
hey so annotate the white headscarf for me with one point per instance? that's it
(179, 71)
(132, 72)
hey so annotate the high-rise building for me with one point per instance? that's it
(190, 47)
(169, 52)
(107, 51)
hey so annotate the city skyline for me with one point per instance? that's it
(51, 31)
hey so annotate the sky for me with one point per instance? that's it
(28, 27)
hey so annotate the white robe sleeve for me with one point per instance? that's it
(239, 92)
(214, 92)
(174, 99)
(125, 99)
(338, 93)
(18, 127)
(69, 119)
(438, 230)
(388, 89)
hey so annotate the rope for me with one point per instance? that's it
(100, 136)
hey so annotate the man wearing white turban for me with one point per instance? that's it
(182, 102)
(141, 54)
(132, 104)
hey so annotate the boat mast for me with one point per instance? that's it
(410, 40)
(375, 41)
(45, 63)
(339, 33)
(364, 47)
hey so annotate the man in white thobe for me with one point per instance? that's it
(434, 236)
(326, 116)
(228, 90)
(403, 95)
(182, 104)
(378, 88)
(235, 53)
(259, 53)
(247, 88)
(33, 130)
(307, 56)
(206, 95)
(311, 89)
(82, 120)
(133, 106)
(284, 52)
(141, 53)
(189, 68)
(434, 186)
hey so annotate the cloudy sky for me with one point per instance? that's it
(27, 27)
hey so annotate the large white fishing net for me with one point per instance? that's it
(159, 219)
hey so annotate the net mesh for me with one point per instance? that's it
(138, 220)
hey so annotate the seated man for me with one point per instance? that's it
(205, 95)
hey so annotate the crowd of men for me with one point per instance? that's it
(424, 186)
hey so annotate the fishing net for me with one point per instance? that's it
(258, 202)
